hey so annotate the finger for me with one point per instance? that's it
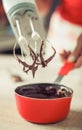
(64, 55)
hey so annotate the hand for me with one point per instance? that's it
(76, 55)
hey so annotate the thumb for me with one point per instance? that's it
(77, 51)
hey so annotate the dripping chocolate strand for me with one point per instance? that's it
(37, 58)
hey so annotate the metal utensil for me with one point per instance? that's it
(21, 39)
(35, 35)
(65, 69)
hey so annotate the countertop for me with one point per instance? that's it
(9, 116)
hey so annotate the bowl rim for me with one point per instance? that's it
(33, 98)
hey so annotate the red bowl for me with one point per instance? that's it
(43, 111)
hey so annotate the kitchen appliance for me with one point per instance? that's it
(25, 22)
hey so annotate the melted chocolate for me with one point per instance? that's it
(37, 58)
(44, 91)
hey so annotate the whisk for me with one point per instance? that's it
(37, 57)
(21, 40)
(34, 36)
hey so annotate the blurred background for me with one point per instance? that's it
(62, 32)
(7, 38)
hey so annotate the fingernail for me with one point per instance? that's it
(71, 58)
